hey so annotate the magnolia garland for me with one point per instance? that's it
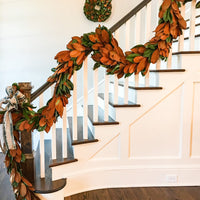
(105, 52)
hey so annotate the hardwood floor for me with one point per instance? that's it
(149, 193)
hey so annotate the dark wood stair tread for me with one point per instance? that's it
(139, 87)
(57, 162)
(187, 38)
(186, 52)
(46, 185)
(80, 132)
(167, 70)
(100, 117)
(120, 101)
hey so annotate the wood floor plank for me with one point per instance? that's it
(145, 193)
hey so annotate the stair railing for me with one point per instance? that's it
(135, 18)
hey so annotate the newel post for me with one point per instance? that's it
(26, 139)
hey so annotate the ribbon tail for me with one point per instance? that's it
(8, 131)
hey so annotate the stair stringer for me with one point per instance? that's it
(91, 173)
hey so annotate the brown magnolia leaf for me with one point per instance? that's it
(78, 39)
(105, 36)
(141, 50)
(155, 56)
(17, 177)
(13, 152)
(80, 58)
(18, 158)
(93, 38)
(23, 190)
(166, 29)
(132, 68)
(7, 161)
(21, 126)
(75, 53)
(19, 152)
(26, 182)
(97, 46)
(69, 45)
(166, 4)
(47, 129)
(137, 59)
(109, 47)
(28, 195)
(12, 176)
(141, 66)
(42, 122)
(78, 47)
(134, 50)
(114, 42)
(26, 125)
(182, 23)
(126, 69)
(120, 75)
(115, 56)
(62, 55)
(159, 27)
(146, 69)
(96, 57)
(104, 60)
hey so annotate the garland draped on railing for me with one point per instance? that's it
(106, 53)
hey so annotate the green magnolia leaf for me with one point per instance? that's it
(148, 53)
(23, 158)
(96, 65)
(198, 5)
(40, 129)
(127, 75)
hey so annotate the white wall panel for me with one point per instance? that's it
(195, 129)
(156, 135)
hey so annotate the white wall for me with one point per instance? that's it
(32, 32)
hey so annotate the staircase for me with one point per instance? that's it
(137, 131)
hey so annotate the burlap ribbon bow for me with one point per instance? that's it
(12, 102)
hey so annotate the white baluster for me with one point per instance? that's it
(106, 96)
(181, 37)
(148, 35)
(126, 80)
(137, 39)
(116, 80)
(85, 95)
(75, 132)
(158, 64)
(95, 95)
(169, 60)
(192, 25)
(64, 134)
(53, 139)
(42, 153)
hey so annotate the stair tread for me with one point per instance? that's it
(167, 70)
(140, 87)
(57, 162)
(100, 117)
(120, 101)
(46, 185)
(80, 132)
(186, 52)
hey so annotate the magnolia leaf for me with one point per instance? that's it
(23, 190)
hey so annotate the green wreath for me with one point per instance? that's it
(97, 10)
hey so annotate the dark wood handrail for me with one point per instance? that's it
(40, 90)
(129, 15)
(45, 86)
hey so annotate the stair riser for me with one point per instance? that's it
(112, 113)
